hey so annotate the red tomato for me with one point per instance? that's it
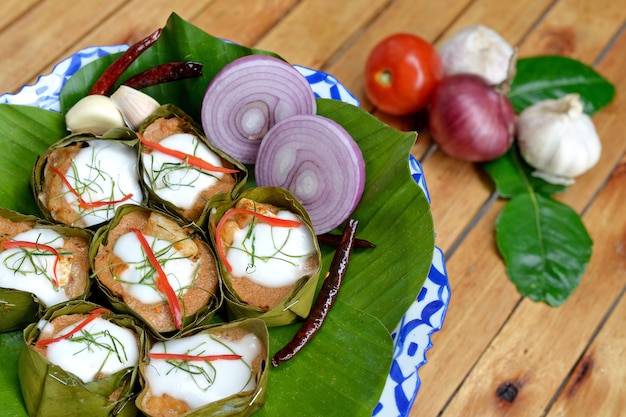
(401, 73)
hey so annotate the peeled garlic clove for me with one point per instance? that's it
(134, 105)
(558, 139)
(93, 114)
(478, 50)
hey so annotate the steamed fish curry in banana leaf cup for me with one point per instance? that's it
(152, 266)
(80, 360)
(180, 168)
(82, 179)
(41, 265)
(214, 371)
(269, 256)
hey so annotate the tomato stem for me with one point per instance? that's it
(384, 77)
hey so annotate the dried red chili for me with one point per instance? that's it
(326, 297)
(109, 77)
(334, 240)
(165, 73)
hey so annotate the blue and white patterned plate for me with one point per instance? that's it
(424, 317)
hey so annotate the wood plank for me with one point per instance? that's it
(538, 346)
(33, 42)
(594, 387)
(243, 21)
(10, 10)
(315, 30)
(581, 30)
(123, 27)
(427, 19)
(464, 323)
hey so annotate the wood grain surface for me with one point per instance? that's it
(498, 354)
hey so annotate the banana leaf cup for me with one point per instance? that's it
(81, 179)
(218, 370)
(269, 278)
(158, 269)
(53, 390)
(181, 169)
(41, 264)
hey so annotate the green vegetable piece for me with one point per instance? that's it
(545, 246)
(551, 76)
(51, 391)
(244, 404)
(25, 133)
(20, 308)
(382, 282)
(190, 126)
(297, 304)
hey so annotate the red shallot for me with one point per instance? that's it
(247, 97)
(318, 161)
(471, 120)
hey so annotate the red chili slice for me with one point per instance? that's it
(161, 282)
(81, 202)
(37, 246)
(109, 77)
(191, 160)
(272, 221)
(94, 314)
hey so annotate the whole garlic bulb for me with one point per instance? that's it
(478, 50)
(558, 139)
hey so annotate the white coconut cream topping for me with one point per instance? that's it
(138, 279)
(33, 269)
(101, 347)
(104, 171)
(172, 179)
(271, 256)
(201, 382)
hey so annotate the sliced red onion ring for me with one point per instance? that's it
(247, 97)
(318, 162)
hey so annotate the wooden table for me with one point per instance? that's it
(566, 361)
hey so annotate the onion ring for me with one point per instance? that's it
(318, 161)
(247, 97)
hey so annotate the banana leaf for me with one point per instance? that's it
(20, 308)
(350, 356)
(297, 304)
(239, 405)
(201, 316)
(167, 111)
(123, 136)
(46, 386)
